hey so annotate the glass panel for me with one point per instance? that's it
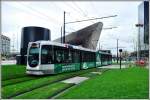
(47, 54)
(76, 56)
(59, 54)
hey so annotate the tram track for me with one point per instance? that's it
(64, 76)
(17, 80)
(68, 88)
(21, 93)
(14, 77)
(13, 81)
(62, 90)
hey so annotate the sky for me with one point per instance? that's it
(49, 14)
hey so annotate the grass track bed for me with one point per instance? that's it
(16, 89)
(17, 80)
(12, 71)
(131, 83)
(44, 92)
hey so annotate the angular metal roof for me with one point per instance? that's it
(86, 37)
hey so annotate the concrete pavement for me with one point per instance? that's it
(8, 62)
(114, 66)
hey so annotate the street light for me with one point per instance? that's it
(120, 50)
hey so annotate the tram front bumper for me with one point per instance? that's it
(39, 72)
(34, 72)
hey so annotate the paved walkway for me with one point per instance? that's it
(8, 62)
(114, 66)
(75, 80)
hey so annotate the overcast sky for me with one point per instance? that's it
(49, 14)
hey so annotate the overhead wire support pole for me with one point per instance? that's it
(61, 35)
(64, 29)
(90, 19)
(117, 51)
(99, 45)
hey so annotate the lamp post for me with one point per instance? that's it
(120, 50)
(64, 28)
(117, 51)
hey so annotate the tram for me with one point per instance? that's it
(47, 57)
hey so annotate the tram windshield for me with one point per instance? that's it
(33, 58)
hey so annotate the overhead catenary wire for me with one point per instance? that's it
(90, 19)
(75, 9)
(83, 13)
(41, 13)
(55, 5)
(27, 11)
(36, 15)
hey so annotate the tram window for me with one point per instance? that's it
(46, 54)
(93, 57)
(59, 54)
(103, 57)
(99, 57)
(86, 56)
(67, 56)
(76, 56)
(70, 57)
(83, 56)
(59, 57)
(89, 56)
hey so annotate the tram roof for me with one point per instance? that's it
(102, 52)
(62, 45)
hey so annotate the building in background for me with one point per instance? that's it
(5, 46)
(31, 34)
(86, 37)
(143, 29)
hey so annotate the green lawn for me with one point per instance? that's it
(12, 71)
(125, 83)
(22, 87)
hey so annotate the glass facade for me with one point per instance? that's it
(5, 45)
(143, 29)
(146, 22)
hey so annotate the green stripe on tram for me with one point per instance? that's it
(66, 67)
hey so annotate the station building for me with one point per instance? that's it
(86, 37)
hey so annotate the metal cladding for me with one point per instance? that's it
(31, 34)
(87, 37)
